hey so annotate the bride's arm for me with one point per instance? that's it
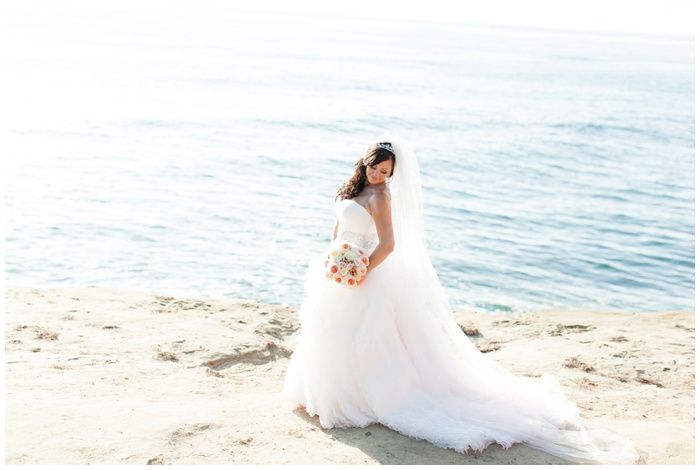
(380, 206)
(335, 231)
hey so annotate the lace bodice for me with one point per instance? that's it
(356, 225)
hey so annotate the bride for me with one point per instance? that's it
(389, 350)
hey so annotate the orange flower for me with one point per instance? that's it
(337, 279)
(345, 246)
(351, 281)
(362, 279)
(334, 268)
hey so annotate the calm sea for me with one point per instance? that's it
(197, 151)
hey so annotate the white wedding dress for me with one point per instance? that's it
(389, 351)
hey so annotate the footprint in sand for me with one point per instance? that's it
(256, 355)
(185, 433)
(277, 329)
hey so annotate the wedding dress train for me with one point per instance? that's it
(389, 351)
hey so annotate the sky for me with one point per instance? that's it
(674, 17)
(662, 17)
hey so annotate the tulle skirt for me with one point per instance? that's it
(366, 355)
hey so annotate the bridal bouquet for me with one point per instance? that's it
(346, 264)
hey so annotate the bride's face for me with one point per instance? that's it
(377, 174)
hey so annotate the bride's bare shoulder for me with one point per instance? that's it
(380, 199)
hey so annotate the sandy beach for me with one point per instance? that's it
(101, 376)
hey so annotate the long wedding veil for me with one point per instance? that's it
(413, 273)
(462, 389)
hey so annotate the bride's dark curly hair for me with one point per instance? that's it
(373, 156)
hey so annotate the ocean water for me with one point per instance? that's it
(196, 151)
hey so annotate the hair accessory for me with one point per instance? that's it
(386, 146)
